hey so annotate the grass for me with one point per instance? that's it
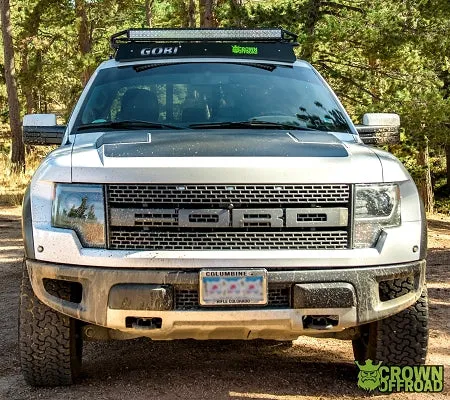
(13, 185)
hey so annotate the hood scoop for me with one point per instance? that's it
(305, 137)
(123, 137)
(223, 143)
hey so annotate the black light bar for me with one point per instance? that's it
(138, 51)
(202, 35)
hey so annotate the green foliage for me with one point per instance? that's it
(378, 55)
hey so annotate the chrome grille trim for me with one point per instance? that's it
(243, 195)
(238, 240)
(142, 217)
(316, 217)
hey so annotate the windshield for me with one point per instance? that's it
(208, 95)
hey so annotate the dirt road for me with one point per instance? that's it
(141, 369)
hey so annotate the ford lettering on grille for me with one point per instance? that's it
(190, 217)
(236, 218)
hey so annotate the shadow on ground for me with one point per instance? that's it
(214, 370)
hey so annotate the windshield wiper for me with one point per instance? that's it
(129, 124)
(249, 124)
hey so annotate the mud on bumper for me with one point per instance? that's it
(162, 304)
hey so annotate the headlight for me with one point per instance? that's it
(81, 208)
(376, 207)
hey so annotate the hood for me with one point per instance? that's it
(213, 143)
(221, 156)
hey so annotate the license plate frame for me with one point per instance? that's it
(226, 295)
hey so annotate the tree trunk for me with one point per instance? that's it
(447, 159)
(27, 89)
(149, 12)
(374, 89)
(191, 13)
(29, 82)
(17, 147)
(206, 13)
(313, 16)
(201, 11)
(236, 10)
(424, 185)
(84, 37)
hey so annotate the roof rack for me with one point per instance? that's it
(202, 35)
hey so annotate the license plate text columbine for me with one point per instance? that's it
(233, 287)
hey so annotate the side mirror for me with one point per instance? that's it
(379, 128)
(41, 129)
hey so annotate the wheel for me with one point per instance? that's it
(50, 343)
(401, 339)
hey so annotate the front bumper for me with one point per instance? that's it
(351, 296)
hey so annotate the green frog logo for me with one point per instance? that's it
(368, 376)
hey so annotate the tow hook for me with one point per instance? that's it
(143, 323)
(320, 322)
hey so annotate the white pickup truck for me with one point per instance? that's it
(209, 185)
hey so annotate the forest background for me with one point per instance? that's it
(378, 55)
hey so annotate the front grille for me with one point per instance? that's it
(216, 195)
(202, 217)
(239, 240)
(278, 296)
(186, 299)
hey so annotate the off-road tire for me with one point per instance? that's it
(401, 339)
(50, 343)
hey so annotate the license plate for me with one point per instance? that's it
(233, 287)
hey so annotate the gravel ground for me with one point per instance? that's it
(141, 369)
